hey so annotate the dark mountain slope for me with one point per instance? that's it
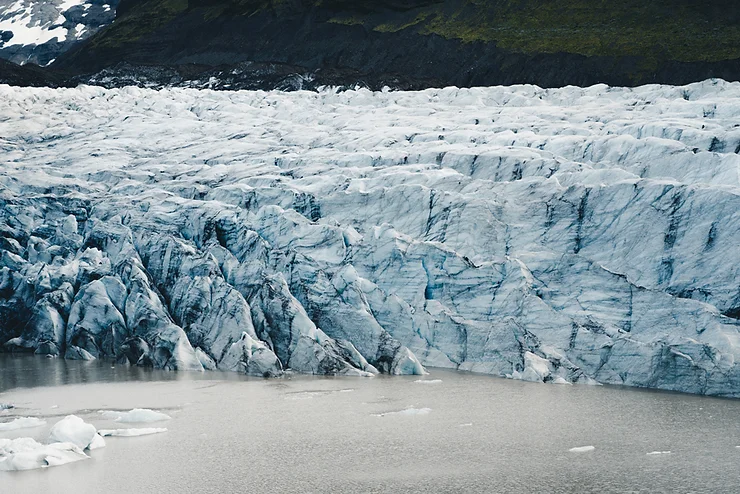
(461, 42)
(29, 75)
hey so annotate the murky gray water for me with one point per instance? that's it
(302, 434)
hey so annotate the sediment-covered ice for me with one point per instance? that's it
(557, 235)
(130, 432)
(21, 423)
(137, 415)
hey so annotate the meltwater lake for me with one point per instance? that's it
(457, 432)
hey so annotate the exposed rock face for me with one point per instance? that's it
(572, 235)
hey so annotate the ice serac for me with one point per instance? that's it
(568, 235)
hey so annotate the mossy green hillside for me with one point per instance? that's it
(653, 30)
(681, 30)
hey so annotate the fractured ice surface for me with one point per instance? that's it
(569, 235)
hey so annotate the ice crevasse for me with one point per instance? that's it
(556, 235)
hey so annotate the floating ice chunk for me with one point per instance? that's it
(560, 380)
(582, 449)
(469, 424)
(21, 423)
(26, 454)
(136, 415)
(659, 453)
(407, 411)
(97, 442)
(428, 381)
(72, 429)
(130, 432)
(6, 406)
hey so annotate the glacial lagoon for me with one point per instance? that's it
(456, 432)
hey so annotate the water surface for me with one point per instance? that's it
(230, 433)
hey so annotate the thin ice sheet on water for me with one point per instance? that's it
(137, 415)
(130, 432)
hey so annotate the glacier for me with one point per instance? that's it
(573, 235)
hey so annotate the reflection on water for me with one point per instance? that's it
(26, 371)
(230, 433)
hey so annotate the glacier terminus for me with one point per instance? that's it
(573, 235)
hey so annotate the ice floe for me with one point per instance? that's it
(130, 432)
(407, 412)
(21, 423)
(26, 454)
(137, 415)
(582, 449)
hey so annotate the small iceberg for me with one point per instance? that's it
(469, 424)
(658, 453)
(26, 454)
(130, 432)
(582, 449)
(6, 406)
(407, 411)
(137, 415)
(428, 381)
(21, 423)
(72, 429)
